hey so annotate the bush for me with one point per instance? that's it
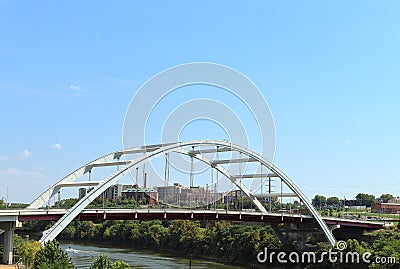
(51, 256)
(104, 262)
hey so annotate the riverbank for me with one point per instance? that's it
(161, 252)
(224, 242)
(82, 255)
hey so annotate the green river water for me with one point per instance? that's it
(83, 255)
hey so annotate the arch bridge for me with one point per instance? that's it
(135, 157)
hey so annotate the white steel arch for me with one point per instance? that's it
(152, 152)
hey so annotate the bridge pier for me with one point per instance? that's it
(294, 234)
(8, 243)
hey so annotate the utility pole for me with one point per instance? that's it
(59, 199)
(7, 199)
(269, 192)
(137, 176)
(207, 196)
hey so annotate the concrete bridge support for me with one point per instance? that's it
(295, 234)
(8, 244)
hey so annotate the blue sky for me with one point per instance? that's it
(329, 71)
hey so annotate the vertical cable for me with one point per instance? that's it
(261, 180)
(207, 195)
(144, 172)
(212, 186)
(281, 194)
(191, 170)
(240, 182)
(216, 179)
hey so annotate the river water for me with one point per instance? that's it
(82, 256)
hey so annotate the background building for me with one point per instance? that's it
(82, 192)
(114, 191)
(147, 196)
(169, 194)
(391, 207)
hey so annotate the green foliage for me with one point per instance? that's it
(386, 197)
(38, 225)
(85, 230)
(120, 265)
(104, 262)
(333, 201)
(69, 232)
(66, 203)
(120, 202)
(365, 199)
(51, 256)
(4, 205)
(387, 243)
(229, 242)
(319, 201)
(56, 264)
(26, 250)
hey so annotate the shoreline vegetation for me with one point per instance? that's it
(218, 241)
(227, 242)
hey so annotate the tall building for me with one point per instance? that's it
(194, 195)
(169, 194)
(82, 192)
(183, 196)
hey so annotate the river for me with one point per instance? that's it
(83, 255)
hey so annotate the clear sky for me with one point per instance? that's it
(329, 71)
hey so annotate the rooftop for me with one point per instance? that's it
(139, 190)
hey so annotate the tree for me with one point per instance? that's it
(319, 201)
(56, 264)
(86, 230)
(101, 262)
(104, 262)
(51, 256)
(365, 199)
(386, 197)
(68, 232)
(67, 203)
(332, 201)
(386, 244)
(27, 250)
(185, 235)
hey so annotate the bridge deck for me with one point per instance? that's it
(173, 214)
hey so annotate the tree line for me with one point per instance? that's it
(228, 242)
(362, 199)
(383, 245)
